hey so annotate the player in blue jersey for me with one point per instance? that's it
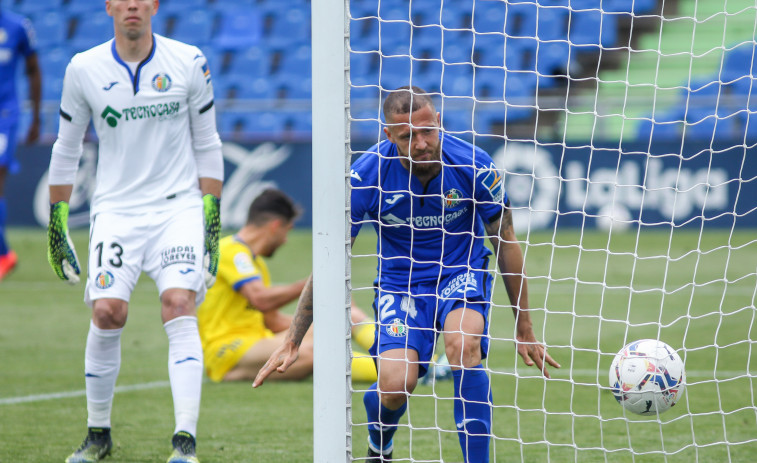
(432, 199)
(17, 42)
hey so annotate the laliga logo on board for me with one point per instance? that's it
(161, 82)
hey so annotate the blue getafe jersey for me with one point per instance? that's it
(16, 41)
(427, 233)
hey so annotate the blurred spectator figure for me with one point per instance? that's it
(17, 42)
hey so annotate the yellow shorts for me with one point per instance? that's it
(224, 353)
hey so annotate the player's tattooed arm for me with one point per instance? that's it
(512, 268)
(303, 317)
(286, 354)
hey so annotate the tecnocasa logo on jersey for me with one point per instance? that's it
(160, 111)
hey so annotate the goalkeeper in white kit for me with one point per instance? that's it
(155, 208)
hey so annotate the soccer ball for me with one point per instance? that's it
(647, 377)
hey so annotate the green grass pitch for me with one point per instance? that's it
(590, 292)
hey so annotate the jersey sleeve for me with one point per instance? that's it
(202, 116)
(361, 194)
(489, 185)
(73, 104)
(237, 267)
(200, 85)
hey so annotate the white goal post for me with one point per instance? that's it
(626, 131)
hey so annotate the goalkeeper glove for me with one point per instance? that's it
(211, 207)
(60, 249)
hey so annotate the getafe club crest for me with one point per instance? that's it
(104, 280)
(451, 199)
(161, 82)
(396, 328)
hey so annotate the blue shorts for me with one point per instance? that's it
(8, 134)
(413, 319)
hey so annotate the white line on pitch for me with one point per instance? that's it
(524, 373)
(80, 393)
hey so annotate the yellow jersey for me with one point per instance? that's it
(228, 324)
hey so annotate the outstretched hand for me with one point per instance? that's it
(534, 352)
(281, 359)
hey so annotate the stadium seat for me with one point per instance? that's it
(50, 28)
(295, 85)
(53, 63)
(290, 27)
(195, 27)
(91, 29)
(30, 8)
(244, 87)
(239, 29)
(490, 17)
(221, 5)
(520, 20)
(552, 23)
(636, 7)
(590, 29)
(253, 62)
(739, 62)
(176, 6)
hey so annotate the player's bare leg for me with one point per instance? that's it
(257, 355)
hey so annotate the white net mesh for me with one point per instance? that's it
(623, 129)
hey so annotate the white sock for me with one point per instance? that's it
(102, 360)
(185, 370)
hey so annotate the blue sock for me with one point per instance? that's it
(3, 217)
(381, 435)
(473, 412)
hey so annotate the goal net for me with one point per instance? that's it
(625, 131)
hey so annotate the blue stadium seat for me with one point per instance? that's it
(590, 29)
(366, 122)
(364, 33)
(296, 61)
(175, 6)
(290, 27)
(220, 5)
(395, 72)
(239, 29)
(521, 19)
(243, 87)
(296, 85)
(636, 7)
(92, 29)
(195, 27)
(53, 63)
(253, 62)
(490, 49)
(701, 101)
(50, 27)
(457, 121)
(490, 17)
(739, 62)
(743, 93)
(30, 8)
(552, 23)
(427, 38)
(457, 46)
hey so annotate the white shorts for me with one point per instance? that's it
(168, 246)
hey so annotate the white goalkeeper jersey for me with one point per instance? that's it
(150, 123)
